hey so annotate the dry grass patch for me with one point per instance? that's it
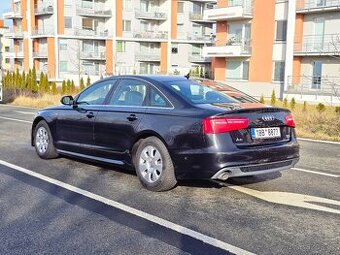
(43, 101)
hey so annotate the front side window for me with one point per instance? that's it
(96, 94)
(130, 92)
(199, 94)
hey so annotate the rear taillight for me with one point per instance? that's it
(290, 121)
(223, 124)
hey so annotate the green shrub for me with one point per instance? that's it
(63, 88)
(81, 85)
(292, 103)
(285, 102)
(337, 110)
(304, 106)
(54, 90)
(320, 107)
(262, 99)
(88, 82)
(273, 98)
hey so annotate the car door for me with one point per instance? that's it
(116, 128)
(75, 124)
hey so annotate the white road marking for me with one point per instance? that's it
(162, 222)
(14, 119)
(27, 113)
(291, 199)
(318, 141)
(315, 172)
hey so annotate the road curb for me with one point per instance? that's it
(318, 141)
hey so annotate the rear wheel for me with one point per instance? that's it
(154, 166)
(43, 141)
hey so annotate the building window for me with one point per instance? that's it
(279, 70)
(88, 4)
(281, 30)
(180, 7)
(63, 68)
(7, 61)
(87, 23)
(7, 48)
(174, 48)
(127, 5)
(63, 45)
(237, 70)
(67, 3)
(127, 25)
(120, 46)
(68, 22)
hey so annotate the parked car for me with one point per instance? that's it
(168, 128)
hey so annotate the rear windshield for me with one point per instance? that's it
(199, 94)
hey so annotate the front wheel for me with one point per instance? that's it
(43, 141)
(154, 166)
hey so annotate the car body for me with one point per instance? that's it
(203, 139)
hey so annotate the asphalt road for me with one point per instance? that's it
(39, 217)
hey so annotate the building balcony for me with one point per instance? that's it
(43, 9)
(198, 58)
(40, 54)
(14, 35)
(96, 12)
(77, 32)
(195, 37)
(198, 18)
(232, 49)
(19, 54)
(151, 56)
(313, 6)
(12, 14)
(318, 45)
(92, 56)
(152, 35)
(150, 15)
(313, 85)
(236, 10)
(42, 32)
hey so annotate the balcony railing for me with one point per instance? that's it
(148, 56)
(19, 54)
(235, 10)
(233, 48)
(151, 15)
(318, 45)
(43, 9)
(316, 5)
(42, 32)
(93, 55)
(12, 14)
(96, 12)
(314, 85)
(40, 54)
(14, 35)
(195, 37)
(87, 32)
(198, 58)
(155, 35)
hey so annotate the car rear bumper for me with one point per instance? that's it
(211, 163)
(251, 170)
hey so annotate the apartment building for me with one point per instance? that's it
(71, 39)
(5, 44)
(287, 46)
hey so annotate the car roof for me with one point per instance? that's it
(157, 78)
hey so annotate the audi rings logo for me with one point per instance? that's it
(268, 117)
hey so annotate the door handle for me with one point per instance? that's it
(90, 115)
(132, 117)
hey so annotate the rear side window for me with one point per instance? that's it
(199, 94)
(129, 93)
(157, 100)
(96, 94)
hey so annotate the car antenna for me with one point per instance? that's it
(187, 76)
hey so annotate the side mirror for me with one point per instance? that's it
(67, 100)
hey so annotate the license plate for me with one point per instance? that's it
(265, 133)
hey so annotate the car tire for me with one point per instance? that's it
(43, 141)
(154, 166)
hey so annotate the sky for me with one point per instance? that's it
(5, 5)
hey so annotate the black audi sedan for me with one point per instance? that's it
(168, 128)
